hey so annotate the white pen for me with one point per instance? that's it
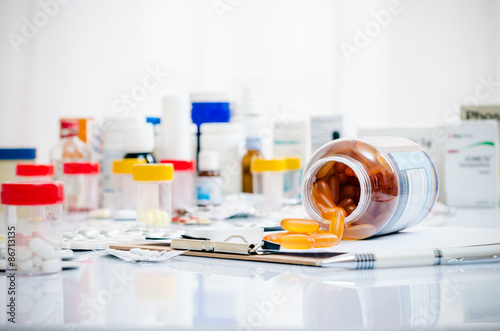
(415, 257)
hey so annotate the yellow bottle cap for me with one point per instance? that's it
(260, 165)
(292, 163)
(125, 166)
(153, 172)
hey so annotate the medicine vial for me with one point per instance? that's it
(184, 184)
(33, 214)
(81, 180)
(124, 189)
(34, 172)
(70, 148)
(254, 147)
(153, 189)
(268, 180)
(384, 184)
(209, 183)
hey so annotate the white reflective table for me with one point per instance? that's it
(194, 293)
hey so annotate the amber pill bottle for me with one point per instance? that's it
(385, 184)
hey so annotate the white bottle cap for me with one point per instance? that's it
(208, 161)
(139, 138)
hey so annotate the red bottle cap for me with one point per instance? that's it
(180, 165)
(32, 193)
(34, 169)
(75, 168)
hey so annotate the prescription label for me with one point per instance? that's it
(417, 194)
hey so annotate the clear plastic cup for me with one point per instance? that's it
(82, 188)
(268, 180)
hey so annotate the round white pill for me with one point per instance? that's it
(66, 253)
(52, 265)
(74, 237)
(37, 261)
(42, 248)
(23, 253)
(88, 232)
(25, 266)
(47, 238)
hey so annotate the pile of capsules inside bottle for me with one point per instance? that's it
(336, 193)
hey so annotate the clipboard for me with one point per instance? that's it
(311, 260)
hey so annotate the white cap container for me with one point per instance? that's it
(139, 138)
(228, 140)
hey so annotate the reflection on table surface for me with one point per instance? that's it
(188, 292)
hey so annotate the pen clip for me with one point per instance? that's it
(473, 260)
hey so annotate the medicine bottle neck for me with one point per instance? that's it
(209, 173)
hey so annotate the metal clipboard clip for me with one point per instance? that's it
(206, 245)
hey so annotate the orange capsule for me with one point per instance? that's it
(275, 237)
(346, 202)
(335, 188)
(327, 213)
(337, 222)
(297, 241)
(349, 172)
(320, 206)
(347, 191)
(342, 178)
(299, 225)
(322, 199)
(323, 188)
(360, 231)
(339, 167)
(349, 209)
(324, 239)
(324, 169)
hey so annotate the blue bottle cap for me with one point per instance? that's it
(153, 120)
(210, 112)
(17, 153)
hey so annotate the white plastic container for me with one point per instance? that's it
(34, 172)
(113, 149)
(228, 140)
(33, 214)
(268, 180)
(209, 182)
(184, 184)
(124, 189)
(81, 180)
(154, 197)
(175, 127)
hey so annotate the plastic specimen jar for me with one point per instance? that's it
(82, 186)
(385, 184)
(268, 180)
(292, 180)
(36, 172)
(33, 213)
(184, 184)
(124, 195)
(153, 187)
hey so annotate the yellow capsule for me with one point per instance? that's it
(327, 213)
(337, 223)
(325, 169)
(324, 239)
(297, 241)
(299, 225)
(360, 231)
(275, 237)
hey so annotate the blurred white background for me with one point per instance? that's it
(417, 67)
